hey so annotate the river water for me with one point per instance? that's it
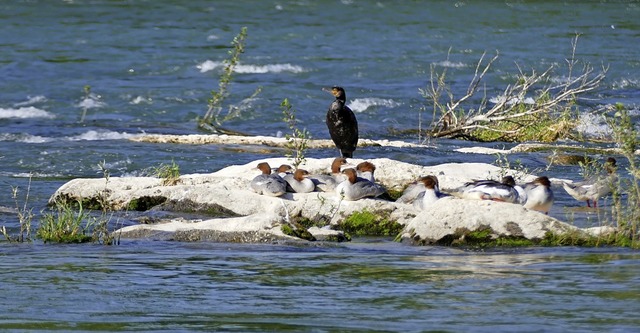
(149, 67)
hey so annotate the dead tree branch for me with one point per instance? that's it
(532, 96)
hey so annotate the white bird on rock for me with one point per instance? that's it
(268, 183)
(328, 183)
(355, 188)
(413, 190)
(298, 182)
(365, 170)
(539, 195)
(491, 190)
(430, 195)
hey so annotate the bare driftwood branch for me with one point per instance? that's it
(533, 95)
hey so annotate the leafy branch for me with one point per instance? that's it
(214, 117)
(298, 140)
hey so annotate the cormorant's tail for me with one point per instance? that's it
(346, 154)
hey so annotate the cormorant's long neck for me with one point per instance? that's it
(337, 106)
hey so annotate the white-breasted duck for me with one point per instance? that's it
(268, 183)
(298, 182)
(430, 195)
(366, 170)
(328, 183)
(412, 190)
(355, 188)
(593, 189)
(539, 195)
(283, 170)
(491, 190)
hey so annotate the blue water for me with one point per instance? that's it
(150, 67)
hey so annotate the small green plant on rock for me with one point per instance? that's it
(169, 173)
(298, 140)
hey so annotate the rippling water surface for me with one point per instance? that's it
(150, 66)
(367, 286)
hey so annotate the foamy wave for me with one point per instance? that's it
(90, 103)
(140, 100)
(593, 125)
(626, 84)
(24, 138)
(25, 112)
(102, 135)
(36, 174)
(362, 104)
(8, 210)
(31, 100)
(501, 99)
(209, 65)
(277, 68)
(451, 64)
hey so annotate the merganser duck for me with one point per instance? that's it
(268, 183)
(283, 170)
(430, 195)
(298, 182)
(522, 194)
(414, 189)
(355, 188)
(342, 123)
(365, 170)
(491, 190)
(328, 183)
(594, 189)
(538, 195)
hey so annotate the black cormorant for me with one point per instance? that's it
(342, 124)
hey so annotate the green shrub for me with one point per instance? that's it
(64, 225)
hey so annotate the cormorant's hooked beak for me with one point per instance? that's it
(332, 91)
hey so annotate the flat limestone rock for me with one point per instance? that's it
(450, 218)
(246, 229)
(258, 140)
(235, 213)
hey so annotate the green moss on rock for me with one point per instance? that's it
(296, 230)
(145, 203)
(189, 206)
(366, 223)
